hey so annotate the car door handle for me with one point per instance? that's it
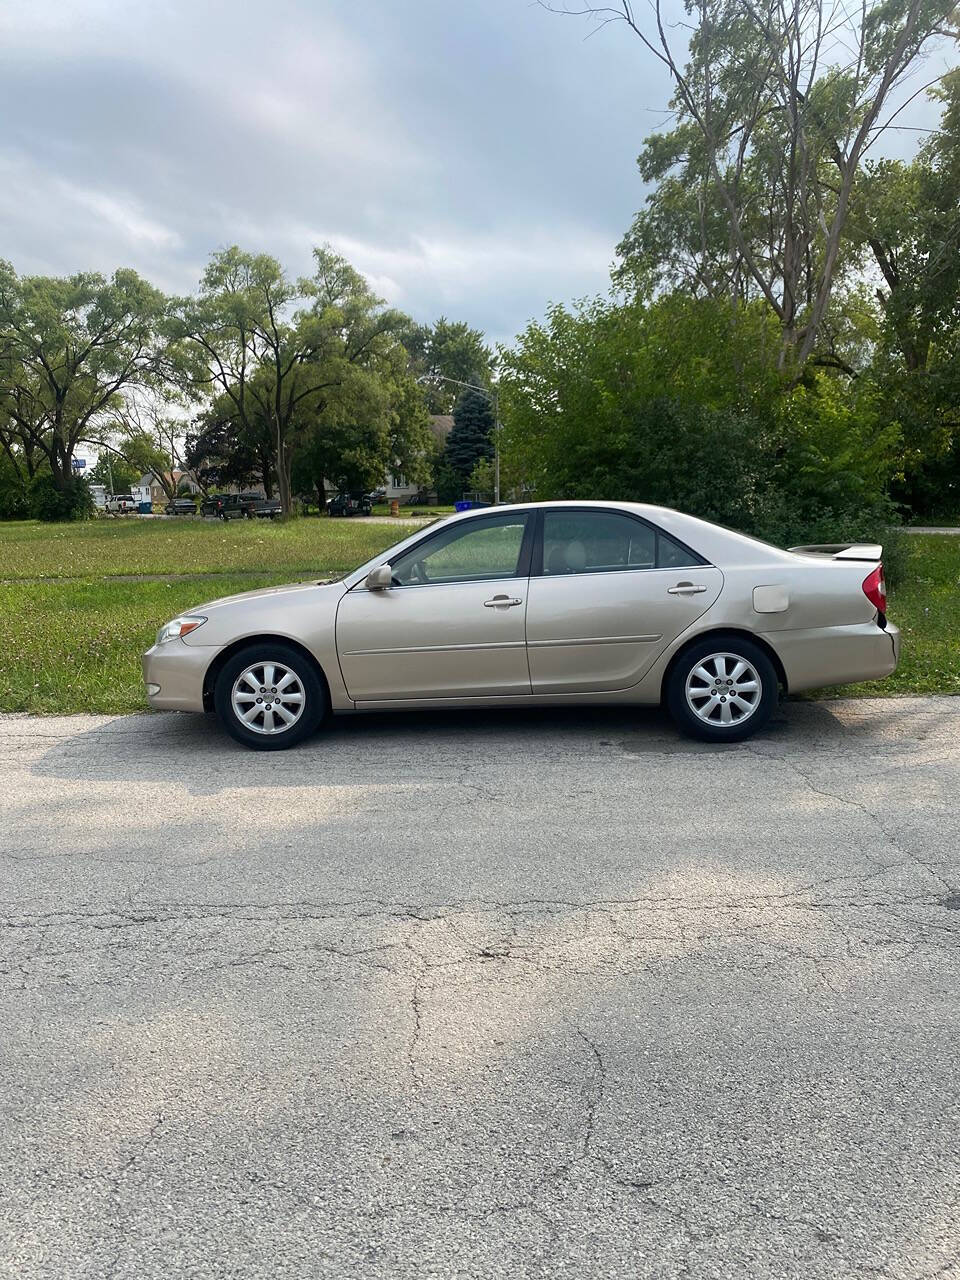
(501, 602)
(685, 589)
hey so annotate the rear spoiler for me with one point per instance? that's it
(842, 550)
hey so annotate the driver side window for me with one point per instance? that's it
(470, 552)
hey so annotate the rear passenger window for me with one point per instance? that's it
(671, 555)
(607, 542)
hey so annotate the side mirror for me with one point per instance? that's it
(380, 578)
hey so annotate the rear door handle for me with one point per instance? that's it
(501, 602)
(685, 589)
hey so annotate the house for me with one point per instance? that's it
(183, 482)
(396, 484)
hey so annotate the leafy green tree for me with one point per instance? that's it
(69, 351)
(14, 488)
(448, 349)
(115, 472)
(353, 455)
(481, 479)
(285, 352)
(774, 107)
(908, 224)
(682, 403)
(225, 448)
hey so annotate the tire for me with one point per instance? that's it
(236, 688)
(722, 689)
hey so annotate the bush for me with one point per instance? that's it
(14, 499)
(72, 502)
(681, 404)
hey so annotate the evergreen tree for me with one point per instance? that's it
(471, 438)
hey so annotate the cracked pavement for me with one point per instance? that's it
(545, 993)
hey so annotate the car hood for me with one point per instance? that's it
(266, 594)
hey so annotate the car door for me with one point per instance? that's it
(609, 593)
(452, 623)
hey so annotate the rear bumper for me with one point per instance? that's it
(826, 656)
(178, 669)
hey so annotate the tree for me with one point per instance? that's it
(69, 350)
(469, 439)
(354, 453)
(775, 108)
(448, 349)
(115, 472)
(14, 489)
(681, 403)
(224, 447)
(285, 352)
(908, 223)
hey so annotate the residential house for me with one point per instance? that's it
(184, 482)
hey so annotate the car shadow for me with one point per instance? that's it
(196, 752)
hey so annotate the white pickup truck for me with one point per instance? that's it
(118, 503)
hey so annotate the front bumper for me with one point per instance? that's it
(823, 656)
(178, 670)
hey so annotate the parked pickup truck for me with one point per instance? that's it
(120, 503)
(264, 508)
(237, 506)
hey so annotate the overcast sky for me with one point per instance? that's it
(475, 158)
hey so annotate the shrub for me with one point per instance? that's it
(681, 404)
(71, 502)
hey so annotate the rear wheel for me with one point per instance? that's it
(722, 689)
(269, 697)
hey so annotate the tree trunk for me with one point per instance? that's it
(284, 466)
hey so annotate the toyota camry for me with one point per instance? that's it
(557, 602)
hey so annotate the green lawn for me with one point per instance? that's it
(96, 548)
(71, 635)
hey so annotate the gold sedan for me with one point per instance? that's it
(561, 602)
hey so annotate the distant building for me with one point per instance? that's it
(183, 481)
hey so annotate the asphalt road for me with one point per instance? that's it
(543, 994)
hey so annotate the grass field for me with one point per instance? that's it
(99, 548)
(75, 613)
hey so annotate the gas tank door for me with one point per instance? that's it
(771, 599)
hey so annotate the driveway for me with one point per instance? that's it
(543, 994)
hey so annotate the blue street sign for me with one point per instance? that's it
(78, 463)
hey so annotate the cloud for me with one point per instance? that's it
(475, 159)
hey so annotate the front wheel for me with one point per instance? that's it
(269, 697)
(722, 689)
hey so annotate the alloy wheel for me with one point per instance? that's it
(723, 689)
(268, 698)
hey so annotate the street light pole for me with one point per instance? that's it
(494, 398)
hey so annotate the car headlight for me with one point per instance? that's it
(177, 628)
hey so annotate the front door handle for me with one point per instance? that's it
(501, 602)
(685, 589)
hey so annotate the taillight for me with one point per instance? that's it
(875, 589)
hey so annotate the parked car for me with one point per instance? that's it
(120, 503)
(378, 495)
(350, 504)
(225, 506)
(256, 506)
(522, 605)
(181, 507)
